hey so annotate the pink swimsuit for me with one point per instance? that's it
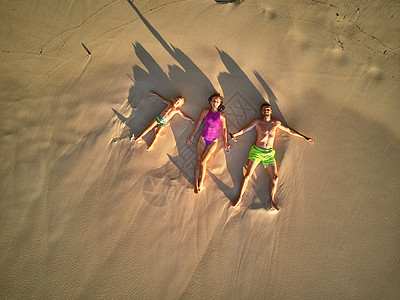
(210, 132)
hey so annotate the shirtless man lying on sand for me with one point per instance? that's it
(161, 121)
(263, 150)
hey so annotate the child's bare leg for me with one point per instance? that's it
(139, 139)
(273, 186)
(157, 133)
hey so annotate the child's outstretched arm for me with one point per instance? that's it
(161, 98)
(185, 116)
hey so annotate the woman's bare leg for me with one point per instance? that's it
(210, 149)
(201, 146)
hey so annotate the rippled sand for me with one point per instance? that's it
(87, 213)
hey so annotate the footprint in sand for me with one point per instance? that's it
(374, 73)
(336, 55)
(157, 191)
(297, 38)
(270, 13)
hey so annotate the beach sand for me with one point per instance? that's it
(86, 213)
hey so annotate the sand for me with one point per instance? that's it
(87, 213)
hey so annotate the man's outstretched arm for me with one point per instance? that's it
(244, 130)
(295, 133)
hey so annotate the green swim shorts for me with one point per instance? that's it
(161, 122)
(264, 156)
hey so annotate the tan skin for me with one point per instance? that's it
(204, 152)
(171, 110)
(266, 130)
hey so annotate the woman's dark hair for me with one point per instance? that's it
(221, 107)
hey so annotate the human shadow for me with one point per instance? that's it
(243, 102)
(182, 79)
(204, 85)
(143, 104)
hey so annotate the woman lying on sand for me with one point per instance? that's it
(161, 121)
(214, 118)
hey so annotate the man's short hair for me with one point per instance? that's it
(265, 104)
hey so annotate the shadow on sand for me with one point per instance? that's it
(241, 98)
(243, 102)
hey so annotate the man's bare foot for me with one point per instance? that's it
(274, 207)
(149, 148)
(196, 190)
(139, 140)
(237, 202)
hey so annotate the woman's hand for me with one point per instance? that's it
(189, 140)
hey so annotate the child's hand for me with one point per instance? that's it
(192, 121)
(189, 140)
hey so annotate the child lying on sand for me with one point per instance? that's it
(161, 121)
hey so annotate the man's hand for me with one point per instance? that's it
(233, 137)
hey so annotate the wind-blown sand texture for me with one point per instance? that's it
(86, 213)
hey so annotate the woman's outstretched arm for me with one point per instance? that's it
(196, 127)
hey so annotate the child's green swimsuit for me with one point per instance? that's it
(161, 121)
(265, 156)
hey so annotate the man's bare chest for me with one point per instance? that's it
(267, 128)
